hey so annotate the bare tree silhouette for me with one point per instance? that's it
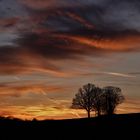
(101, 100)
(111, 97)
(86, 98)
(97, 106)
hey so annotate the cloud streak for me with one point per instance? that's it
(51, 112)
(116, 74)
(18, 89)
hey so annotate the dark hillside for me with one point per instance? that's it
(115, 126)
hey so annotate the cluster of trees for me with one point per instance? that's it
(101, 100)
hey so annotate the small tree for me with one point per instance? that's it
(86, 98)
(111, 97)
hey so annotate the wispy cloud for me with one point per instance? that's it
(41, 112)
(129, 106)
(17, 89)
(119, 74)
(116, 74)
(60, 110)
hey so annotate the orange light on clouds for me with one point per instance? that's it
(119, 44)
(41, 112)
(61, 111)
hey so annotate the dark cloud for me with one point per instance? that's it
(15, 60)
(108, 14)
(52, 46)
(54, 30)
(11, 8)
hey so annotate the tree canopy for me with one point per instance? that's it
(101, 100)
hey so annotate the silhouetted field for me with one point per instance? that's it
(107, 127)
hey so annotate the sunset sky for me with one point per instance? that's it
(50, 48)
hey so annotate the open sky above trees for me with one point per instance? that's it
(50, 48)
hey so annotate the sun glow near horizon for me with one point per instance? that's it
(42, 112)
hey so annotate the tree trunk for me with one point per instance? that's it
(88, 113)
(99, 114)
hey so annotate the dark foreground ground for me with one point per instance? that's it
(125, 126)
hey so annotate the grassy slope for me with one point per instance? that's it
(116, 125)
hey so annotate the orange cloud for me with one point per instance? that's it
(79, 19)
(129, 106)
(41, 112)
(126, 43)
(60, 110)
(21, 88)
